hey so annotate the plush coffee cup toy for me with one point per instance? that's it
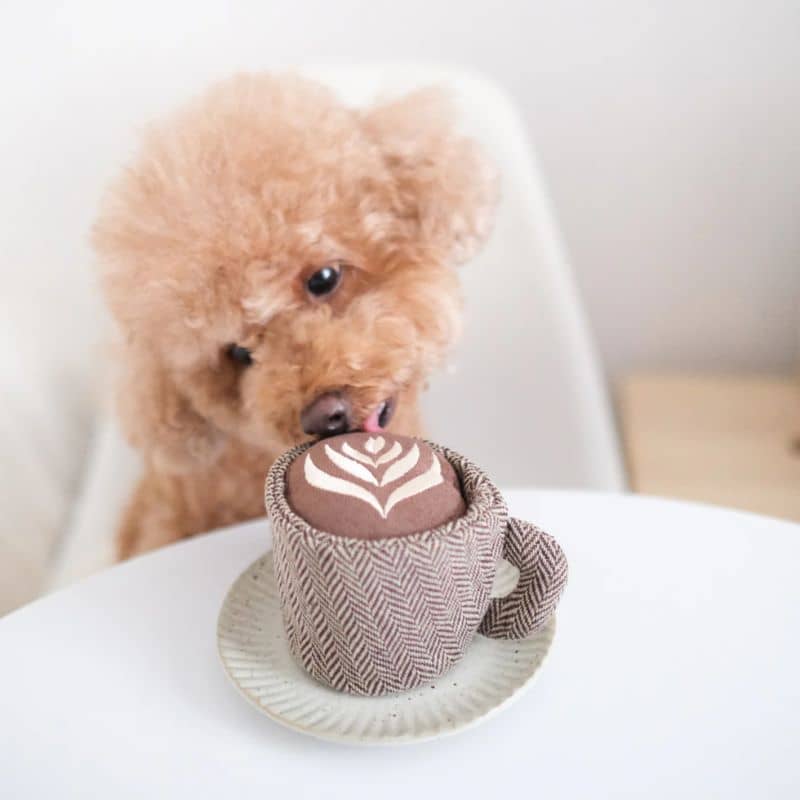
(385, 550)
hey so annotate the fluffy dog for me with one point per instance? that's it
(280, 266)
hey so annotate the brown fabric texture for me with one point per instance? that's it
(377, 616)
(368, 486)
(542, 569)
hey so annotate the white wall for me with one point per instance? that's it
(669, 131)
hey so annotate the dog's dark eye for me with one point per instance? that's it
(324, 281)
(240, 355)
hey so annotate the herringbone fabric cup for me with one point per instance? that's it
(542, 569)
(377, 616)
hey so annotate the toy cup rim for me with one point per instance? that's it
(480, 496)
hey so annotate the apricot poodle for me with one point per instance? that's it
(280, 266)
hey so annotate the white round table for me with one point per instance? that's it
(675, 672)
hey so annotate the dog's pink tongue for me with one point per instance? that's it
(371, 424)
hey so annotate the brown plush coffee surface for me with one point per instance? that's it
(373, 486)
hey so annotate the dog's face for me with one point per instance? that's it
(281, 265)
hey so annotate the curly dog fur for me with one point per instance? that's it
(208, 239)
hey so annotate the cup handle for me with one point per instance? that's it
(542, 569)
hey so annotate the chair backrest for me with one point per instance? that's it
(524, 394)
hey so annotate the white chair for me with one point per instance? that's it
(524, 396)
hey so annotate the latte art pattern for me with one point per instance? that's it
(364, 486)
(365, 467)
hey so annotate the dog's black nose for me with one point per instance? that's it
(327, 415)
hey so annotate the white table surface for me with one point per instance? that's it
(675, 672)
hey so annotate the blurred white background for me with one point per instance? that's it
(668, 133)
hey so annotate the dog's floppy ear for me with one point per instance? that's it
(159, 420)
(446, 190)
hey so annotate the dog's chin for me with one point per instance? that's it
(371, 418)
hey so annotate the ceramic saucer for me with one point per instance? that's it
(256, 658)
